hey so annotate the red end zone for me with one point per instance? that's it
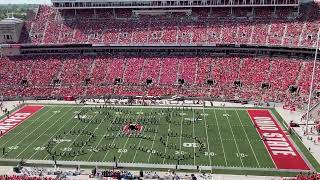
(17, 118)
(281, 150)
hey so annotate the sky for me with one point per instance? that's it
(24, 1)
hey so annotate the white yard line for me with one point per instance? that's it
(93, 133)
(125, 144)
(209, 152)
(33, 130)
(154, 139)
(234, 139)
(34, 121)
(181, 128)
(248, 139)
(52, 135)
(77, 135)
(44, 132)
(165, 149)
(114, 139)
(224, 153)
(194, 141)
(114, 119)
(135, 154)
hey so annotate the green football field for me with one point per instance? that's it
(186, 136)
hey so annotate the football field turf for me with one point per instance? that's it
(149, 136)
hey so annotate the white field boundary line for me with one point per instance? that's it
(125, 144)
(93, 132)
(209, 151)
(33, 121)
(154, 139)
(53, 135)
(114, 139)
(33, 131)
(77, 135)
(284, 128)
(224, 153)
(147, 166)
(44, 132)
(166, 106)
(165, 149)
(275, 165)
(255, 156)
(102, 136)
(234, 139)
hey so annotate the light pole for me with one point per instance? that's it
(312, 81)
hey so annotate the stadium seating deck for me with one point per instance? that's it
(102, 72)
(262, 28)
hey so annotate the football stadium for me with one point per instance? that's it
(158, 89)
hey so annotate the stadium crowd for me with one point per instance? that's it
(202, 26)
(18, 177)
(258, 79)
(309, 176)
(251, 78)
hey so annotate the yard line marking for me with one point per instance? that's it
(182, 114)
(33, 121)
(248, 139)
(209, 152)
(114, 139)
(135, 154)
(114, 119)
(194, 141)
(139, 146)
(44, 132)
(77, 135)
(234, 138)
(165, 149)
(154, 139)
(52, 135)
(125, 144)
(32, 132)
(224, 153)
(93, 133)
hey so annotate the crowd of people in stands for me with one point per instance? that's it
(14, 177)
(251, 78)
(309, 176)
(80, 75)
(202, 26)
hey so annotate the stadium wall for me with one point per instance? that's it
(219, 49)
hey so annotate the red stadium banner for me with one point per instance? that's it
(280, 148)
(69, 98)
(288, 107)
